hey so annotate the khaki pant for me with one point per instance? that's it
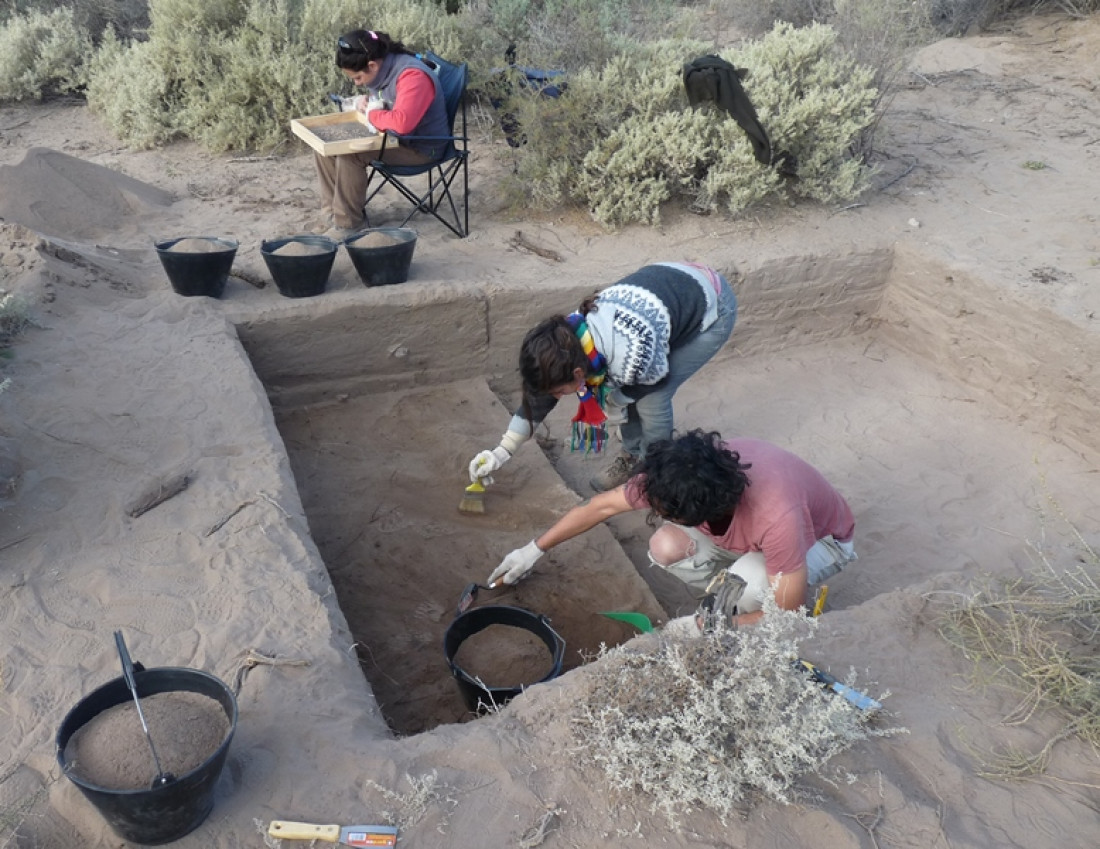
(344, 181)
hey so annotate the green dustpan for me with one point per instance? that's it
(638, 620)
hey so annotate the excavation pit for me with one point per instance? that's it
(872, 352)
(383, 509)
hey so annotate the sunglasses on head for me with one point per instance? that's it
(342, 43)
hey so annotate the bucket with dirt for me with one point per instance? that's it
(104, 751)
(497, 651)
(382, 255)
(197, 265)
(299, 265)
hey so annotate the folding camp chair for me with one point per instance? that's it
(438, 200)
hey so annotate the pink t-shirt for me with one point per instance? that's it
(787, 508)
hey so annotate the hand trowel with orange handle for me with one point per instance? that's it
(349, 835)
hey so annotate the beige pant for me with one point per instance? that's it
(344, 181)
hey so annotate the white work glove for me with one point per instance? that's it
(353, 104)
(487, 462)
(517, 565)
(372, 105)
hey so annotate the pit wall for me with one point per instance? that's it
(425, 333)
(1041, 366)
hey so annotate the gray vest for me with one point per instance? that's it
(434, 122)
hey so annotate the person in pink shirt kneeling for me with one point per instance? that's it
(403, 98)
(740, 515)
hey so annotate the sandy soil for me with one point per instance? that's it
(932, 348)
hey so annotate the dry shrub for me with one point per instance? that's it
(640, 83)
(127, 18)
(914, 21)
(876, 34)
(716, 721)
(622, 140)
(815, 101)
(135, 100)
(1041, 637)
(231, 75)
(575, 34)
(756, 17)
(14, 318)
(42, 54)
(963, 17)
(427, 796)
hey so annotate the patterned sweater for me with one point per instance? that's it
(636, 323)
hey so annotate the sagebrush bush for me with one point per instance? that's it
(891, 27)
(41, 54)
(232, 75)
(127, 18)
(133, 98)
(561, 132)
(717, 721)
(814, 101)
(14, 318)
(623, 140)
(575, 34)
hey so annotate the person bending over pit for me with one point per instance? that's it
(739, 515)
(624, 353)
(403, 97)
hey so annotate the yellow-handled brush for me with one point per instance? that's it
(473, 501)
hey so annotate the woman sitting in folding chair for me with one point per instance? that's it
(404, 98)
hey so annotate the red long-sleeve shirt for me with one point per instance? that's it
(415, 92)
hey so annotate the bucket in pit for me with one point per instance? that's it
(495, 652)
(102, 749)
(382, 255)
(197, 265)
(299, 265)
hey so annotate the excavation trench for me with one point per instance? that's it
(858, 363)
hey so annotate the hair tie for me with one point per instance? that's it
(372, 34)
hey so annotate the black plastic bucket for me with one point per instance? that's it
(477, 695)
(161, 814)
(194, 273)
(385, 264)
(299, 276)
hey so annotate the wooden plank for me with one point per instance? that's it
(345, 121)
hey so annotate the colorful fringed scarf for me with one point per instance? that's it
(589, 428)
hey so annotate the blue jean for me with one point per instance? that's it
(649, 419)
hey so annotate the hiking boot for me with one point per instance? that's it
(616, 474)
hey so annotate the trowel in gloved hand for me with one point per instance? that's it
(469, 595)
(349, 835)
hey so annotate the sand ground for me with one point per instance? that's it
(932, 348)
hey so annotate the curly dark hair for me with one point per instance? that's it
(693, 478)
